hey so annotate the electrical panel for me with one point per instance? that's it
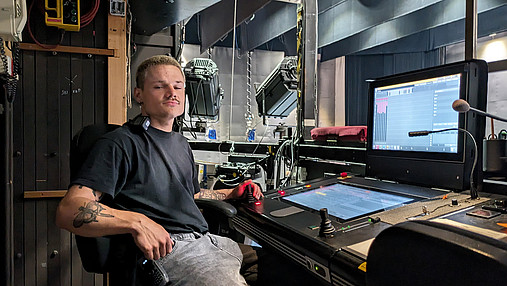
(65, 15)
(117, 7)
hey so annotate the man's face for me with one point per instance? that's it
(163, 95)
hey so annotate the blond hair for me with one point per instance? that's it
(154, 61)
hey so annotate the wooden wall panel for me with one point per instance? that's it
(41, 231)
(65, 258)
(41, 115)
(29, 244)
(52, 123)
(64, 99)
(49, 112)
(54, 246)
(28, 157)
(59, 93)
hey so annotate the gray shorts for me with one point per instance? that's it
(203, 259)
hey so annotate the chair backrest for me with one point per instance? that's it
(108, 253)
(431, 253)
(83, 142)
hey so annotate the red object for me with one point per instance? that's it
(281, 192)
(343, 174)
(257, 203)
(343, 133)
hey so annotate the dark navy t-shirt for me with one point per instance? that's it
(150, 172)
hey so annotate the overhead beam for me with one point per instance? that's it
(217, 20)
(444, 21)
(272, 21)
(152, 16)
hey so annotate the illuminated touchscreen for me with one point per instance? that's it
(346, 202)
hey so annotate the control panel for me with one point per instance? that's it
(65, 14)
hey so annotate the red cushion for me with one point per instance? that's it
(344, 133)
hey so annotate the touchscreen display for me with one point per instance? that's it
(346, 202)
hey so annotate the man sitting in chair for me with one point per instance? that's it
(150, 173)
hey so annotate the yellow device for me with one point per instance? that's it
(66, 14)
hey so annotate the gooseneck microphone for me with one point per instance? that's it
(462, 106)
(473, 190)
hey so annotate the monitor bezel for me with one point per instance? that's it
(440, 71)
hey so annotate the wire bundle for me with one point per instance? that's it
(88, 17)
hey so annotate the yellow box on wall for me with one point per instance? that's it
(65, 15)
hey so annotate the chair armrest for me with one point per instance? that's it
(221, 207)
(94, 253)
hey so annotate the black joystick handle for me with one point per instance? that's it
(326, 228)
(249, 194)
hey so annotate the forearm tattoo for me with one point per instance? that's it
(89, 214)
(211, 194)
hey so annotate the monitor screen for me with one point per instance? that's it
(422, 100)
(424, 104)
(347, 202)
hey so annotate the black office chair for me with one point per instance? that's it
(118, 254)
(431, 253)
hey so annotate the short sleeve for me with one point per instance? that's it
(105, 169)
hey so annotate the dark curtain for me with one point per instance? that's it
(359, 69)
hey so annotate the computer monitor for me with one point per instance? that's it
(422, 100)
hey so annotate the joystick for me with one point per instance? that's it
(249, 194)
(326, 228)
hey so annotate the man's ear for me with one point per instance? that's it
(137, 95)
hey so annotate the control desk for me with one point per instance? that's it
(333, 244)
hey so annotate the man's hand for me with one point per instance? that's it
(153, 240)
(240, 191)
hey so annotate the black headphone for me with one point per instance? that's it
(140, 122)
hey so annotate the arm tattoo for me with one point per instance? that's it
(211, 194)
(89, 214)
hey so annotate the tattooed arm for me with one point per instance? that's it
(81, 212)
(212, 194)
(236, 193)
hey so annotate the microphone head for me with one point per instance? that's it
(460, 105)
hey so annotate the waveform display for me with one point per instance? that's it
(380, 121)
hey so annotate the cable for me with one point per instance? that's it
(232, 68)
(88, 17)
(128, 94)
(260, 141)
(44, 46)
(473, 188)
(11, 80)
(190, 129)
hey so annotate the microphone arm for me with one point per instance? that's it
(487, 114)
(461, 106)
(473, 190)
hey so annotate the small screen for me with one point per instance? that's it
(416, 106)
(346, 202)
